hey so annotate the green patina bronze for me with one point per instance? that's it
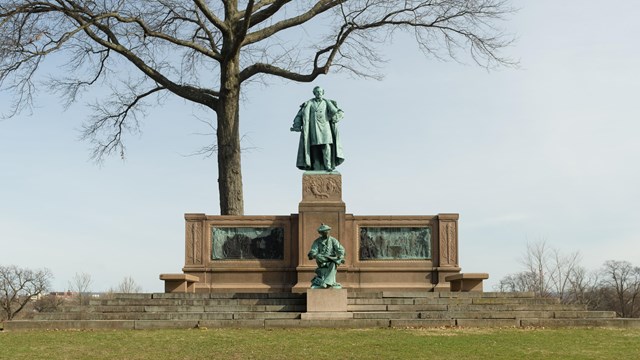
(247, 243)
(329, 253)
(320, 147)
(395, 243)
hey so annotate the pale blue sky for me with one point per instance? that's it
(547, 151)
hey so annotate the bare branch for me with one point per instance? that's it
(106, 131)
(202, 6)
(319, 8)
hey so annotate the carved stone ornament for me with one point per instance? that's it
(194, 242)
(448, 243)
(322, 187)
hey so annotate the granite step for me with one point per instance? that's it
(196, 302)
(293, 323)
(369, 309)
(516, 307)
(168, 316)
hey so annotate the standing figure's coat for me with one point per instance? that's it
(316, 121)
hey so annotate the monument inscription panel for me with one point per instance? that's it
(395, 243)
(247, 243)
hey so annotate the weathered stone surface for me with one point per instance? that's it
(197, 309)
(265, 315)
(422, 307)
(271, 301)
(515, 307)
(353, 323)
(408, 294)
(182, 312)
(434, 315)
(385, 315)
(294, 308)
(181, 296)
(132, 295)
(515, 300)
(443, 301)
(500, 314)
(326, 300)
(365, 295)
(251, 296)
(458, 294)
(385, 301)
(235, 308)
(161, 302)
(366, 307)
(222, 295)
(225, 302)
(286, 296)
(585, 314)
(68, 324)
(464, 282)
(366, 301)
(326, 315)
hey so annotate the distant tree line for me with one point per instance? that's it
(25, 291)
(549, 273)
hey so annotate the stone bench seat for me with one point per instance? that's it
(467, 282)
(179, 283)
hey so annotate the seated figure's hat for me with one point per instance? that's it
(324, 227)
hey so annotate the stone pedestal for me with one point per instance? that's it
(321, 204)
(326, 304)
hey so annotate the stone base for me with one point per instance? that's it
(327, 301)
(471, 282)
(326, 315)
(179, 283)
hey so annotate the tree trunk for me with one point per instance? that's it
(228, 133)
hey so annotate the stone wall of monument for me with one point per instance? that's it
(263, 253)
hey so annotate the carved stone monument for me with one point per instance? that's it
(270, 253)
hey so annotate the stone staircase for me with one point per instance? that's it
(283, 310)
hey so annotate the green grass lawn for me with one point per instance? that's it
(517, 344)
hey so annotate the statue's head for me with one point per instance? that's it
(318, 92)
(324, 230)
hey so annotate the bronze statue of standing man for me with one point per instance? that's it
(320, 148)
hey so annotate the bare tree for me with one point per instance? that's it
(81, 285)
(622, 279)
(535, 261)
(127, 286)
(18, 286)
(205, 51)
(584, 288)
(48, 303)
(561, 269)
(519, 282)
(548, 272)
